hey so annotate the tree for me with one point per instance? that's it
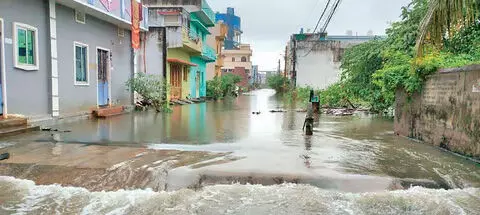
(223, 86)
(277, 82)
(444, 18)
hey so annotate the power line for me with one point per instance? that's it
(332, 12)
(321, 17)
(327, 22)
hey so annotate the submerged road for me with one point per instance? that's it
(351, 165)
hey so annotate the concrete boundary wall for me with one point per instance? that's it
(445, 113)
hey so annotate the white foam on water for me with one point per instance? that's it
(24, 197)
(5, 145)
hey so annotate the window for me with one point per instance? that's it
(25, 47)
(80, 17)
(185, 73)
(81, 63)
(244, 59)
(233, 59)
(171, 20)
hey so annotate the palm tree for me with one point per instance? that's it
(444, 18)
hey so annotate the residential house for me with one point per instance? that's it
(314, 59)
(216, 39)
(186, 23)
(240, 57)
(180, 47)
(65, 57)
(233, 22)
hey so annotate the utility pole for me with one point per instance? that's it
(278, 68)
(294, 72)
(164, 55)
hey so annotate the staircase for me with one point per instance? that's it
(104, 112)
(15, 125)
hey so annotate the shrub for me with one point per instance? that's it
(223, 86)
(152, 90)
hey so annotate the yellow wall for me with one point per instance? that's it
(182, 55)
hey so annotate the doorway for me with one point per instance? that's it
(103, 77)
(176, 81)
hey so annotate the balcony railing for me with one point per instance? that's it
(208, 11)
(191, 42)
(120, 10)
(208, 53)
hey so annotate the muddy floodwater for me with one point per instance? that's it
(219, 158)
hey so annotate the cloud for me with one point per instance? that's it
(268, 24)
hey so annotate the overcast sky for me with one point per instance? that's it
(268, 24)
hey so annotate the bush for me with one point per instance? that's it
(152, 89)
(278, 82)
(223, 86)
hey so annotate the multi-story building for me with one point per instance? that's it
(186, 25)
(254, 79)
(314, 59)
(216, 40)
(233, 22)
(65, 57)
(238, 58)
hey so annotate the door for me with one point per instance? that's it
(103, 64)
(176, 81)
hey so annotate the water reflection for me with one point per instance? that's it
(274, 142)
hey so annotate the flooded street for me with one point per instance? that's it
(219, 158)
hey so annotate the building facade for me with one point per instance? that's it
(254, 80)
(65, 57)
(240, 57)
(200, 22)
(186, 25)
(233, 22)
(217, 40)
(314, 59)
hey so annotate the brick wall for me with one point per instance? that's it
(242, 73)
(445, 113)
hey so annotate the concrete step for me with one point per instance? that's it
(176, 101)
(187, 101)
(108, 111)
(12, 122)
(17, 130)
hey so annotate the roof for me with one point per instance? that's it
(179, 61)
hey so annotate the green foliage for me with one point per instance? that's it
(222, 86)
(278, 82)
(373, 71)
(152, 89)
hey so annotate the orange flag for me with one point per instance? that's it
(135, 24)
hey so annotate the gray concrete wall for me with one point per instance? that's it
(446, 113)
(317, 69)
(153, 52)
(27, 91)
(95, 33)
(318, 62)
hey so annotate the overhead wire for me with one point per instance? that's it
(327, 21)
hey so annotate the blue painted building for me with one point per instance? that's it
(234, 28)
(200, 21)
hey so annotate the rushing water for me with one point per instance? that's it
(351, 165)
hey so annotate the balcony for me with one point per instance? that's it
(206, 14)
(190, 42)
(208, 53)
(116, 12)
(223, 31)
